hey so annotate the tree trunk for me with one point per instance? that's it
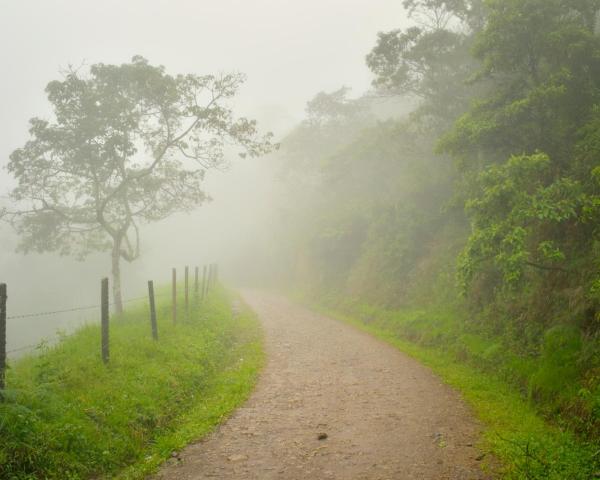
(116, 276)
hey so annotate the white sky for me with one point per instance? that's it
(290, 50)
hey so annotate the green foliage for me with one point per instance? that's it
(129, 143)
(541, 58)
(558, 369)
(489, 188)
(66, 415)
(393, 190)
(431, 60)
(516, 216)
(534, 216)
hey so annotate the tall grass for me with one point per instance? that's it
(68, 416)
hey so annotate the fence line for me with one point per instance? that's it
(61, 336)
(55, 312)
(74, 309)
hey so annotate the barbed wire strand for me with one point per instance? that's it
(75, 309)
(66, 310)
(53, 312)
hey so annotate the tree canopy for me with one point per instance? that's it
(128, 144)
(485, 198)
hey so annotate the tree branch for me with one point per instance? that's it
(545, 267)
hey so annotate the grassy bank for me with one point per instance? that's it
(528, 446)
(67, 416)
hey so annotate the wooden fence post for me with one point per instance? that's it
(209, 278)
(3, 297)
(187, 289)
(174, 296)
(152, 310)
(104, 319)
(196, 271)
(213, 274)
(203, 282)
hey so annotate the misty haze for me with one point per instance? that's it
(290, 240)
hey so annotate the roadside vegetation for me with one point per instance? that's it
(518, 442)
(456, 207)
(68, 416)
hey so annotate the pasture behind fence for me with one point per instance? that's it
(209, 278)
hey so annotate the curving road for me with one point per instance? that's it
(335, 403)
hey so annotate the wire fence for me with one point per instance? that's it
(208, 279)
(53, 312)
(73, 309)
(61, 336)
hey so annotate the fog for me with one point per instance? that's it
(289, 52)
(423, 172)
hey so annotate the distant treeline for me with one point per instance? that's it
(478, 192)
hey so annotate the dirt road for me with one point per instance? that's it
(335, 403)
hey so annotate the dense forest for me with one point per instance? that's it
(468, 181)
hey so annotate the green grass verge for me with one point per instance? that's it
(526, 446)
(67, 416)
